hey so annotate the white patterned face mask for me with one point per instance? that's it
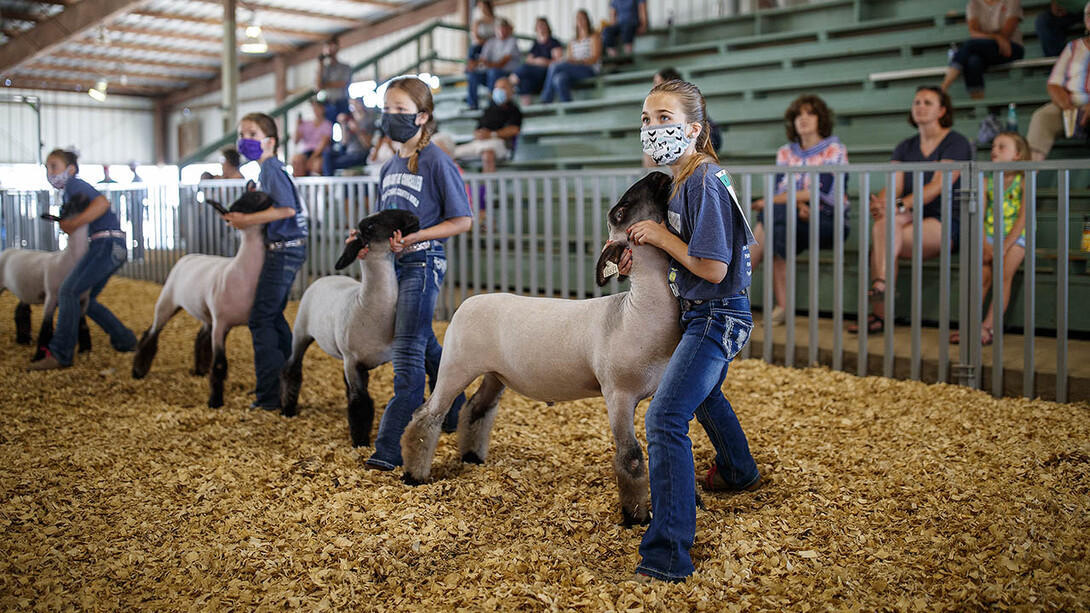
(666, 143)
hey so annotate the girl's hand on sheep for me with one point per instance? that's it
(648, 232)
(624, 265)
(238, 221)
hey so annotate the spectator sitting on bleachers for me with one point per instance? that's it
(627, 18)
(1054, 24)
(994, 38)
(484, 28)
(583, 61)
(499, 58)
(1069, 88)
(313, 137)
(809, 125)
(530, 77)
(230, 162)
(497, 128)
(355, 145)
(715, 136)
(932, 115)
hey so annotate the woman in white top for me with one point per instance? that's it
(583, 61)
(994, 38)
(1068, 87)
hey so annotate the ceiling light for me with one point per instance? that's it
(255, 39)
(98, 92)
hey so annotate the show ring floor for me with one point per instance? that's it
(881, 495)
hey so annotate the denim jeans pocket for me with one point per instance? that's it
(736, 331)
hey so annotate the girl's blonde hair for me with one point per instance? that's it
(420, 94)
(1020, 144)
(692, 105)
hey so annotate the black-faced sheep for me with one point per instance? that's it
(218, 291)
(351, 320)
(553, 349)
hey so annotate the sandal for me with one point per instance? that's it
(874, 324)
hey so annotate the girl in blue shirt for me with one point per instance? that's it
(105, 255)
(424, 180)
(708, 238)
(285, 243)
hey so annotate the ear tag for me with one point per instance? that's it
(609, 269)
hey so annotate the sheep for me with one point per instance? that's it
(218, 291)
(553, 349)
(35, 277)
(352, 320)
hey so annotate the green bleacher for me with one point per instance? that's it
(750, 67)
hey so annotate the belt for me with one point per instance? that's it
(418, 246)
(107, 234)
(295, 242)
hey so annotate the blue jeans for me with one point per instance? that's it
(1052, 30)
(620, 32)
(416, 350)
(559, 78)
(270, 331)
(476, 78)
(531, 78)
(976, 55)
(103, 258)
(714, 332)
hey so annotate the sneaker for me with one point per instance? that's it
(779, 315)
(49, 362)
(713, 482)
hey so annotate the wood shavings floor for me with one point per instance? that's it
(882, 495)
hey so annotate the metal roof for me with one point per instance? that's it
(159, 47)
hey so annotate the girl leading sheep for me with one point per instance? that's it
(424, 180)
(708, 238)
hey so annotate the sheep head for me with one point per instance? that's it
(378, 228)
(647, 199)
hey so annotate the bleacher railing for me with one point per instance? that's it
(539, 233)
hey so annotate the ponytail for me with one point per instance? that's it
(695, 110)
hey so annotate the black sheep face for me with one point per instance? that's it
(378, 228)
(252, 202)
(647, 199)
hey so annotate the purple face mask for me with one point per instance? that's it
(250, 148)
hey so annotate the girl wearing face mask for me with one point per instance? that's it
(708, 238)
(424, 180)
(285, 243)
(105, 255)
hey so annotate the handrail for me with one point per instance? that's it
(300, 98)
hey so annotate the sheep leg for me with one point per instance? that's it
(219, 365)
(475, 422)
(629, 466)
(202, 351)
(361, 409)
(421, 436)
(22, 323)
(291, 375)
(84, 338)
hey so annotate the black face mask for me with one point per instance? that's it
(401, 127)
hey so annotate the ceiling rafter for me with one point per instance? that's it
(304, 34)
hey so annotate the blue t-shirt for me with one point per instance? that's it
(435, 192)
(276, 183)
(953, 147)
(544, 49)
(627, 10)
(707, 218)
(107, 221)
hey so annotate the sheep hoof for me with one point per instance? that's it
(409, 479)
(630, 519)
(471, 457)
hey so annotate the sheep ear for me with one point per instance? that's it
(351, 250)
(611, 255)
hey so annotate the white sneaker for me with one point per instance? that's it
(779, 315)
